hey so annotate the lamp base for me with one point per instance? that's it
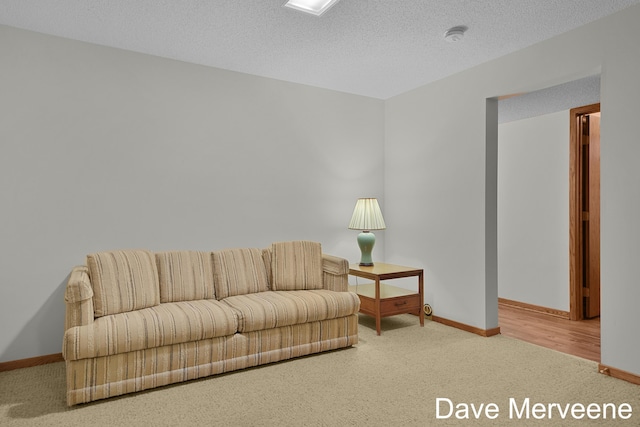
(366, 241)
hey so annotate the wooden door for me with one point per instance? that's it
(591, 223)
(584, 221)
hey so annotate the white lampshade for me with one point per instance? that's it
(367, 215)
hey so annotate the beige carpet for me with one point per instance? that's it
(388, 380)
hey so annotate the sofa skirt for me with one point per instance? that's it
(108, 376)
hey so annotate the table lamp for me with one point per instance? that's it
(366, 217)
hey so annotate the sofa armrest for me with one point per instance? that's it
(335, 273)
(78, 297)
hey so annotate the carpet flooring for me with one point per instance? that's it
(395, 379)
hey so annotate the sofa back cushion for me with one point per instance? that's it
(123, 281)
(185, 276)
(296, 266)
(266, 257)
(239, 272)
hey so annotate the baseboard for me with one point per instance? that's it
(603, 369)
(535, 308)
(30, 362)
(467, 328)
(619, 374)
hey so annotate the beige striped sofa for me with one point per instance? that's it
(137, 319)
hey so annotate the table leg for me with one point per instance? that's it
(421, 292)
(377, 305)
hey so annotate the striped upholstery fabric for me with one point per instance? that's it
(123, 281)
(239, 272)
(334, 265)
(185, 276)
(78, 298)
(274, 309)
(165, 324)
(103, 377)
(296, 266)
(266, 257)
(335, 273)
(119, 338)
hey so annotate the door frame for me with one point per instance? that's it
(576, 294)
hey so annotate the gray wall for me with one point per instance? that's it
(620, 195)
(440, 192)
(533, 210)
(103, 149)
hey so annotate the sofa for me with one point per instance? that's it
(136, 319)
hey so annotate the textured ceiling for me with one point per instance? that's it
(376, 48)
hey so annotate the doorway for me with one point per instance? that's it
(537, 324)
(584, 212)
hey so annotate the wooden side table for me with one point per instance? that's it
(382, 300)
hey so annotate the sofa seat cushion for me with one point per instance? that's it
(164, 324)
(273, 309)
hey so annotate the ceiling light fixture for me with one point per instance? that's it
(455, 34)
(314, 7)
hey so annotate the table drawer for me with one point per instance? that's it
(402, 304)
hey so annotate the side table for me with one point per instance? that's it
(381, 300)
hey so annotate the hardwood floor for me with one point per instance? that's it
(579, 338)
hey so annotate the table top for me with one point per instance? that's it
(383, 270)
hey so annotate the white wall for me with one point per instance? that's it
(435, 155)
(102, 149)
(533, 210)
(439, 193)
(620, 195)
